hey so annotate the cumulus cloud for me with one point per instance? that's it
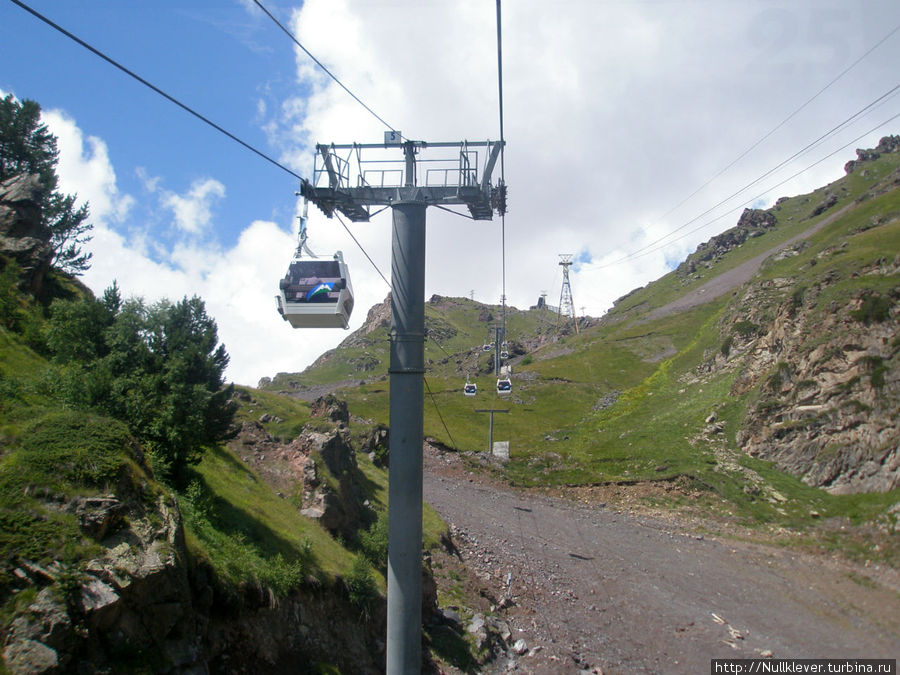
(193, 211)
(237, 283)
(84, 169)
(615, 113)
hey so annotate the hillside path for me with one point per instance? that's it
(596, 588)
(731, 279)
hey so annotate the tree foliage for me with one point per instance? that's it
(28, 147)
(158, 368)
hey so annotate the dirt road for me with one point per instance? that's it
(595, 588)
(741, 274)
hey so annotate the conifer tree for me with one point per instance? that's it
(28, 147)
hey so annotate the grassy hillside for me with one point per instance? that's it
(627, 400)
(249, 540)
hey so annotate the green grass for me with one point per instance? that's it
(293, 413)
(61, 454)
(249, 535)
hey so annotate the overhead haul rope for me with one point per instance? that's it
(159, 91)
(322, 66)
(186, 108)
(785, 120)
(753, 199)
(502, 172)
(864, 110)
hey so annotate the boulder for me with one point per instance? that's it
(336, 502)
(23, 237)
(331, 408)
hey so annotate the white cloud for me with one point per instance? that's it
(238, 285)
(150, 183)
(193, 211)
(84, 169)
(614, 113)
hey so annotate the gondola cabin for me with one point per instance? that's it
(470, 389)
(316, 293)
(504, 386)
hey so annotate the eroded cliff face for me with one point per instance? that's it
(141, 603)
(131, 601)
(23, 237)
(824, 378)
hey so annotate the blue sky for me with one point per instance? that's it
(213, 56)
(616, 113)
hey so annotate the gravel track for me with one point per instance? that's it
(593, 588)
(730, 279)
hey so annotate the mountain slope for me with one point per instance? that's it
(776, 341)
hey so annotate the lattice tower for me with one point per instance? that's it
(566, 304)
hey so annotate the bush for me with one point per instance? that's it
(876, 368)
(361, 586)
(374, 542)
(726, 346)
(74, 448)
(746, 328)
(156, 368)
(874, 309)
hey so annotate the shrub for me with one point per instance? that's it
(74, 448)
(361, 587)
(157, 368)
(874, 309)
(746, 328)
(374, 542)
(726, 346)
(876, 368)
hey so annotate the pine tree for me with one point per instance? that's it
(28, 147)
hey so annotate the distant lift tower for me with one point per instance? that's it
(349, 179)
(566, 304)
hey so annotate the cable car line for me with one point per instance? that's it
(784, 121)
(775, 168)
(159, 91)
(356, 241)
(502, 169)
(321, 65)
(644, 250)
(438, 409)
(752, 199)
(184, 107)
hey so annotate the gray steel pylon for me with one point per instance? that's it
(566, 304)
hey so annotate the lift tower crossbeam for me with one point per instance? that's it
(349, 178)
(382, 179)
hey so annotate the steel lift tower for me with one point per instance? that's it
(349, 179)
(566, 304)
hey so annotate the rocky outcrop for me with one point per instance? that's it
(330, 479)
(23, 237)
(885, 145)
(318, 468)
(828, 384)
(752, 223)
(330, 408)
(132, 599)
(377, 444)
